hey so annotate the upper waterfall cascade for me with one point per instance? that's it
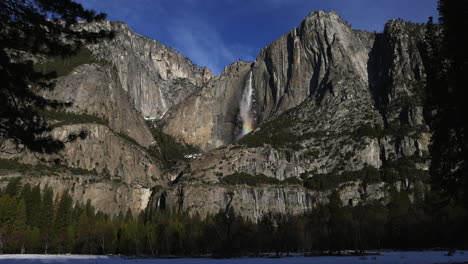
(246, 107)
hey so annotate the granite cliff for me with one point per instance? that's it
(329, 107)
(328, 100)
(155, 77)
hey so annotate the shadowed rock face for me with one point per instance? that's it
(314, 90)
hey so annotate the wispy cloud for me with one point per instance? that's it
(203, 43)
(173, 23)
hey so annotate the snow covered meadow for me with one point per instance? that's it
(412, 257)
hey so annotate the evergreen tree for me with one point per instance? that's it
(338, 223)
(397, 219)
(32, 199)
(26, 192)
(129, 236)
(46, 218)
(86, 234)
(106, 234)
(38, 28)
(266, 231)
(447, 76)
(34, 240)
(63, 224)
(13, 187)
(375, 221)
(12, 224)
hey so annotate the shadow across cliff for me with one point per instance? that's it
(378, 69)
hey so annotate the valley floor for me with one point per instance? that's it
(407, 257)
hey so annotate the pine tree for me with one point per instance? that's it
(32, 199)
(447, 76)
(36, 205)
(46, 218)
(12, 224)
(63, 224)
(13, 187)
(26, 192)
(397, 216)
(39, 28)
(129, 237)
(338, 222)
(106, 233)
(89, 209)
(34, 240)
(86, 241)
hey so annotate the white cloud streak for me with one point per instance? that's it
(192, 36)
(203, 43)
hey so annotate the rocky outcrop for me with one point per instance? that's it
(135, 77)
(95, 89)
(209, 118)
(108, 196)
(253, 202)
(351, 75)
(396, 73)
(329, 100)
(119, 158)
(154, 76)
(326, 101)
(114, 173)
(322, 58)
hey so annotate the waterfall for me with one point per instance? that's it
(245, 107)
(162, 102)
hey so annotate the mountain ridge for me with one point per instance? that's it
(327, 101)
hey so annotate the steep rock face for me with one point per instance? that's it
(137, 77)
(353, 76)
(328, 100)
(121, 159)
(396, 79)
(396, 73)
(155, 76)
(209, 118)
(115, 174)
(332, 100)
(322, 58)
(253, 202)
(96, 89)
(106, 195)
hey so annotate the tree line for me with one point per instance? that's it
(37, 220)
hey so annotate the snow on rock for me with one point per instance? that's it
(192, 156)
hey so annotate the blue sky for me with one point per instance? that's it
(215, 33)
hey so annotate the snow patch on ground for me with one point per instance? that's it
(412, 257)
(192, 156)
